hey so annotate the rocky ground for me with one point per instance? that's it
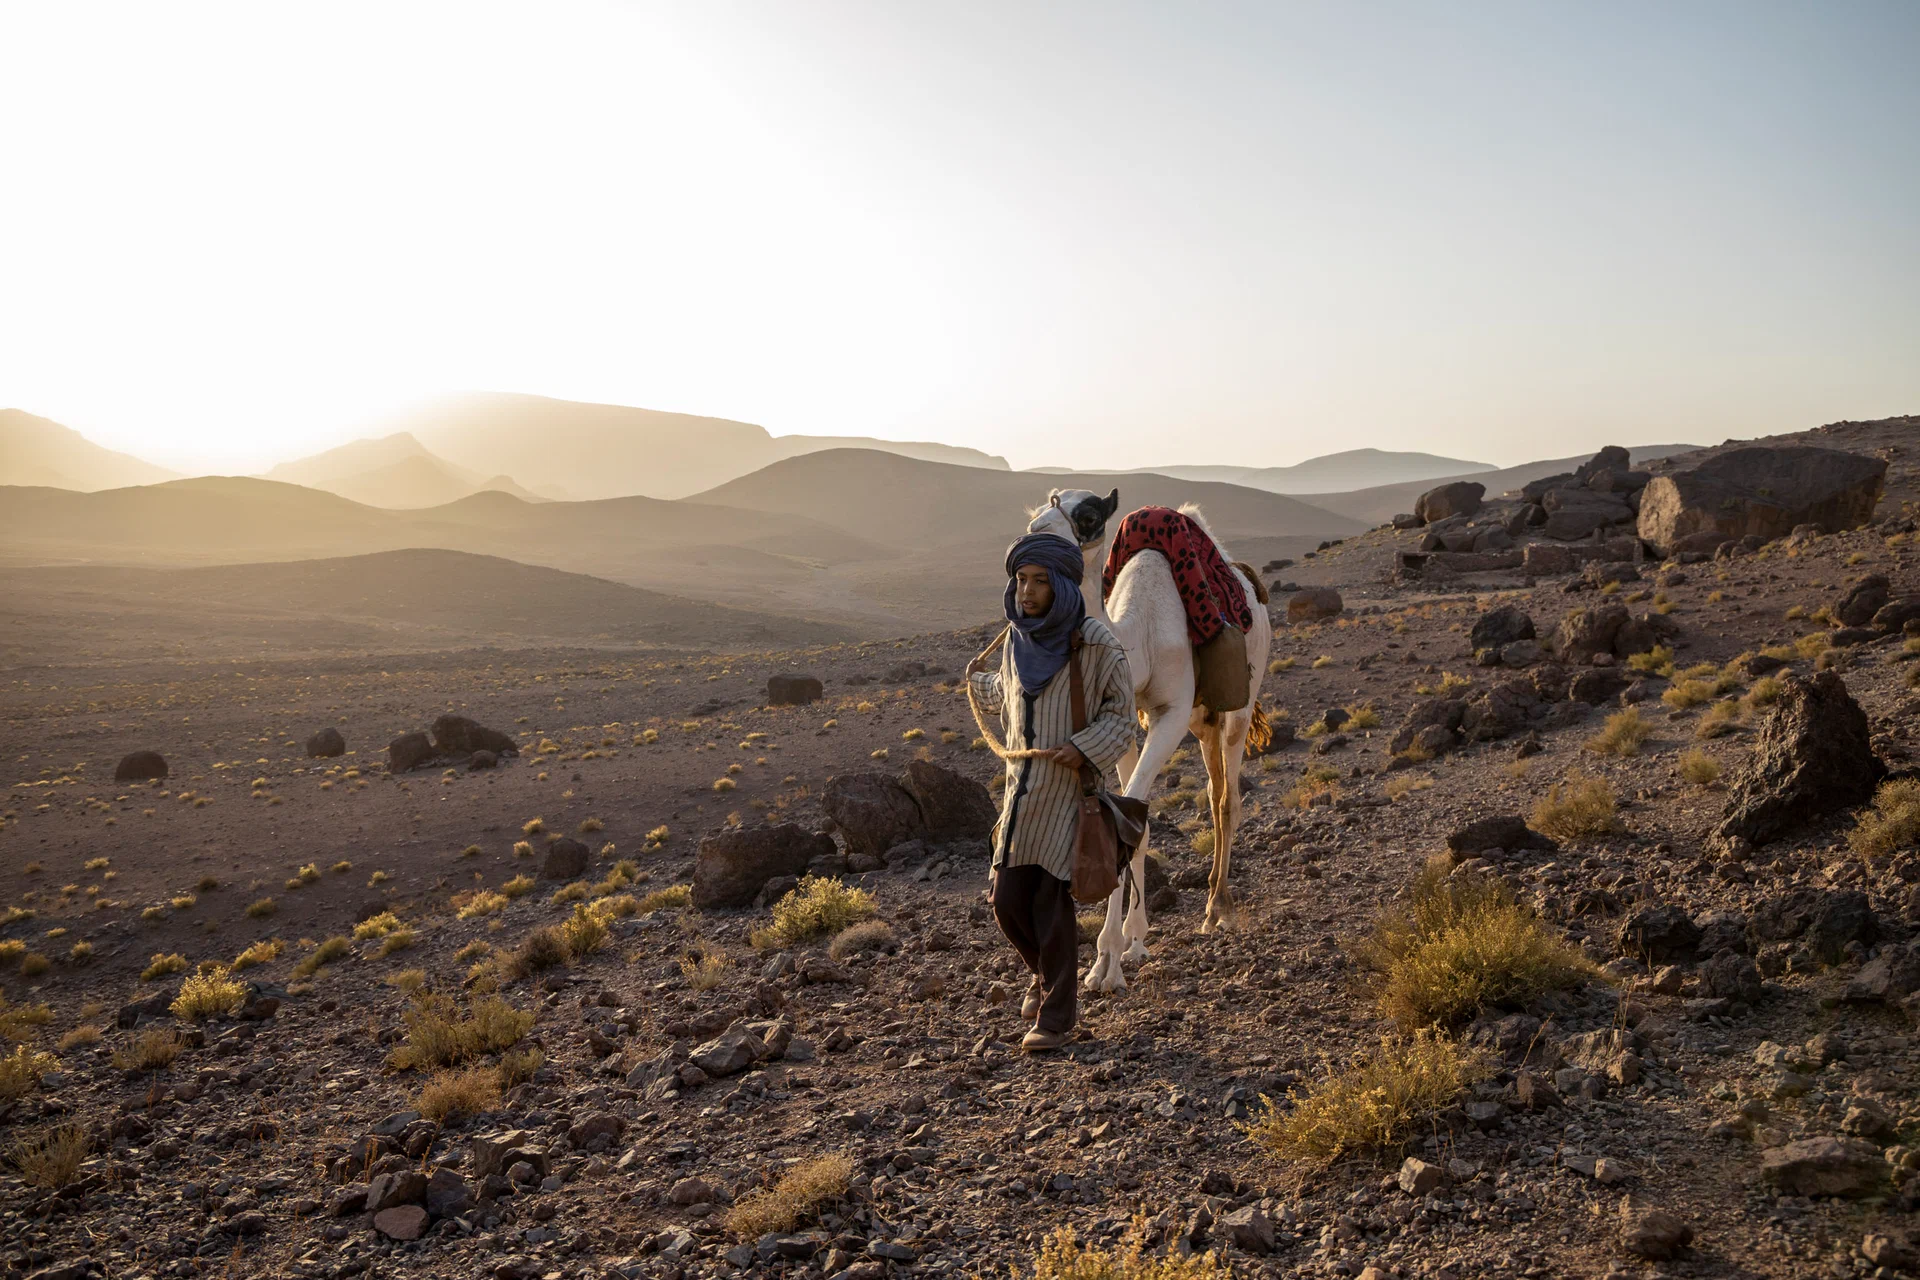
(1756, 975)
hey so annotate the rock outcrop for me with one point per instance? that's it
(1460, 498)
(733, 865)
(1813, 755)
(1762, 492)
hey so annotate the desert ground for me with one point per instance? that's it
(1741, 995)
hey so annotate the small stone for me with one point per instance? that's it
(691, 1191)
(1651, 1233)
(402, 1222)
(1417, 1177)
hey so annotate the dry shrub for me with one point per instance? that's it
(162, 965)
(1401, 784)
(676, 897)
(800, 1194)
(399, 940)
(439, 1036)
(52, 1158)
(584, 933)
(1688, 693)
(819, 906)
(1377, 1103)
(871, 935)
(377, 926)
(150, 1051)
(1721, 719)
(454, 1094)
(204, 995)
(618, 907)
(324, 954)
(480, 904)
(1063, 1257)
(1657, 661)
(518, 887)
(1699, 768)
(261, 909)
(1462, 944)
(17, 1021)
(407, 981)
(1580, 807)
(575, 892)
(518, 1067)
(705, 966)
(257, 954)
(79, 1038)
(545, 948)
(1625, 733)
(1892, 823)
(1316, 780)
(20, 1072)
(11, 949)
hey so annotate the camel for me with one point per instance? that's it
(1146, 616)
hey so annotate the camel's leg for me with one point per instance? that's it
(1164, 732)
(1135, 929)
(1219, 896)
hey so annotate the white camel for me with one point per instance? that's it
(1145, 614)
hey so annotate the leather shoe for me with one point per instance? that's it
(1038, 1041)
(1030, 1007)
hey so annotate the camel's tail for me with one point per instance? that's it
(1253, 580)
(1259, 729)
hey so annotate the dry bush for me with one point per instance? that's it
(799, 1195)
(1375, 1104)
(452, 1095)
(407, 981)
(584, 933)
(11, 949)
(872, 935)
(1401, 784)
(1688, 693)
(324, 954)
(1892, 823)
(704, 966)
(675, 897)
(818, 907)
(545, 948)
(399, 940)
(257, 954)
(575, 892)
(483, 903)
(439, 1036)
(1278, 665)
(1626, 731)
(52, 1158)
(1364, 717)
(518, 1067)
(79, 1038)
(474, 950)
(162, 965)
(618, 907)
(203, 995)
(150, 1051)
(1315, 780)
(20, 1072)
(17, 1021)
(1699, 768)
(518, 887)
(1721, 719)
(262, 908)
(590, 825)
(1657, 661)
(1062, 1257)
(377, 926)
(1578, 808)
(1461, 944)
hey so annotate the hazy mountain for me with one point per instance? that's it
(392, 471)
(907, 502)
(565, 448)
(1332, 473)
(1382, 502)
(36, 451)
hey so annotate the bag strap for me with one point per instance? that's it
(1077, 692)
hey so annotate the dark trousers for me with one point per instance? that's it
(1035, 911)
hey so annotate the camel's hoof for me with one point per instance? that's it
(1137, 951)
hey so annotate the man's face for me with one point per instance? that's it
(1032, 590)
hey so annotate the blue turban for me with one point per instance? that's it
(1040, 646)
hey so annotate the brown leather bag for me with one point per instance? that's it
(1110, 827)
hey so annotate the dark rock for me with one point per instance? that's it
(872, 812)
(482, 760)
(952, 806)
(1642, 633)
(1597, 686)
(140, 766)
(408, 751)
(1840, 918)
(1609, 458)
(459, 736)
(1502, 626)
(793, 691)
(1577, 513)
(1897, 615)
(1813, 755)
(1504, 709)
(327, 743)
(1439, 719)
(402, 1222)
(732, 866)
(1866, 598)
(1585, 632)
(1763, 492)
(1460, 498)
(389, 1189)
(1889, 977)
(730, 1053)
(448, 1195)
(1846, 1167)
(1507, 831)
(1648, 1232)
(1313, 604)
(566, 860)
(1659, 934)
(1721, 931)
(153, 1006)
(1733, 977)
(1535, 490)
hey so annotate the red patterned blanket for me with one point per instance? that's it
(1209, 588)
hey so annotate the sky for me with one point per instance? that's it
(1092, 234)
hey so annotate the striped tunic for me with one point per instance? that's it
(1041, 804)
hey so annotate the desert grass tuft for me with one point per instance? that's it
(545, 948)
(258, 954)
(205, 995)
(324, 954)
(820, 906)
(1462, 944)
(453, 1095)
(79, 1038)
(483, 903)
(797, 1197)
(584, 933)
(1892, 823)
(20, 1072)
(439, 1035)
(377, 926)
(51, 1159)
(704, 966)
(676, 897)
(20, 1021)
(1721, 719)
(1579, 808)
(1699, 768)
(261, 909)
(1375, 1104)
(1625, 733)
(870, 935)
(162, 965)
(1063, 1257)
(150, 1051)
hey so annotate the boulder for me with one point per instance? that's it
(1313, 604)
(1460, 498)
(1897, 615)
(1577, 513)
(952, 805)
(1648, 1232)
(1813, 755)
(1845, 1167)
(448, 1195)
(1610, 458)
(482, 760)
(1888, 978)
(497, 1152)
(1502, 626)
(402, 1222)
(141, 766)
(459, 736)
(1623, 483)
(327, 743)
(1642, 633)
(1505, 831)
(733, 865)
(1824, 920)
(1585, 632)
(1503, 709)
(1418, 1178)
(793, 691)
(566, 860)
(1535, 490)
(1731, 976)
(1248, 1228)
(1430, 722)
(1861, 602)
(1762, 491)
(386, 1190)
(408, 751)
(1597, 686)
(729, 1053)
(1658, 934)
(871, 811)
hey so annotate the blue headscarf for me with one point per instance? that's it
(1040, 646)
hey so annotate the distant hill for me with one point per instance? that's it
(1331, 473)
(906, 502)
(37, 451)
(565, 448)
(394, 471)
(1381, 503)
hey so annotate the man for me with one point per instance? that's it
(1033, 842)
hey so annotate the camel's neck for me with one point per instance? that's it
(1090, 585)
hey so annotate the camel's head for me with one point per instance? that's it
(1076, 515)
